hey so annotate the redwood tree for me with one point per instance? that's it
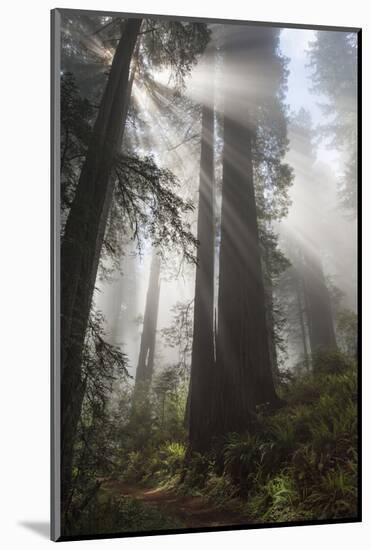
(148, 341)
(243, 374)
(172, 44)
(83, 237)
(203, 354)
(319, 313)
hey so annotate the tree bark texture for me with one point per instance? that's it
(244, 377)
(145, 366)
(319, 313)
(83, 238)
(203, 353)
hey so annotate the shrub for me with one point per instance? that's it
(335, 495)
(329, 362)
(196, 472)
(242, 453)
(120, 514)
(302, 462)
(172, 456)
(221, 490)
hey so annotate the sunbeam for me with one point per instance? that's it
(208, 284)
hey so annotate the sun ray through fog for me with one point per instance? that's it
(208, 207)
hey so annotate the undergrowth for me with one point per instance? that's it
(299, 464)
(112, 514)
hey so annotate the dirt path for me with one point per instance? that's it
(191, 511)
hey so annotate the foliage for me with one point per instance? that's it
(309, 457)
(347, 331)
(76, 114)
(333, 59)
(220, 490)
(169, 392)
(151, 437)
(179, 334)
(102, 363)
(146, 198)
(162, 463)
(329, 362)
(272, 175)
(348, 184)
(112, 514)
(146, 203)
(88, 43)
(196, 472)
(103, 366)
(174, 44)
(300, 463)
(274, 264)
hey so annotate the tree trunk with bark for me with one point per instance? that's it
(301, 310)
(272, 346)
(319, 313)
(145, 366)
(243, 368)
(83, 238)
(203, 353)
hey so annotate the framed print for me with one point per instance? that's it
(205, 287)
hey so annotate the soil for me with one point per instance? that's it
(191, 511)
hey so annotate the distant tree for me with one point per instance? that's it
(290, 291)
(145, 365)
(347, 332)
(300, 312)
(273, 177)
(333, 58)
(319, 311)
(310, 192)
(179, 336)
(274, 263)
(169, 401)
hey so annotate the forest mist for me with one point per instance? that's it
(337, 238)
(209, 273)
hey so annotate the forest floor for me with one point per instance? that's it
(190, 511)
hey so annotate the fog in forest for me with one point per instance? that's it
(315, 216)
(208, 201)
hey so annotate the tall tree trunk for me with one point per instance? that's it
(269, 305)
(203, 354)
(244, 377)
(82, 241)
(319, 313)
(144, 372)
(301, 318)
